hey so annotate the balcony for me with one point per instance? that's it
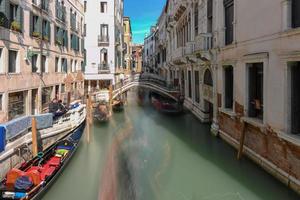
(189, 48)
(103, 40)
(103, 68)
(203, 42)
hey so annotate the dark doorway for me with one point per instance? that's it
(295, 75)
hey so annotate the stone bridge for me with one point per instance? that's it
(148, 81)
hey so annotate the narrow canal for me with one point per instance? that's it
(145, 155)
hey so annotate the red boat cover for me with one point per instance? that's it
(35, 176)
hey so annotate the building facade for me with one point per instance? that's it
(127, 45)
(104, 42)
(41, 55)
(137, 58)
(240, 74)
(149, 58)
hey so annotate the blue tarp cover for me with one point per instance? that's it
(44, 121)
(17, 126)
(2, 138)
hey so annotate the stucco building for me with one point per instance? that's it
(104, 43)
(137, 58)
(149, 58)
(41, 54)
(237, 63)
(127, 45)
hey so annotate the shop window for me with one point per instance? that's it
(12, 57)
(229, 18)
(295, 13)
(16, 105)
(228, 75)
(103, 7)
(34, 67)
(295, 97)
(190, 83)
(255, 84)
(197, 87)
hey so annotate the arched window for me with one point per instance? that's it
(103, 56)
(208, 78)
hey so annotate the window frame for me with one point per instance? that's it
(103, 7)
(229, 27)
(16, 61)
(227, 84)
(1, 101)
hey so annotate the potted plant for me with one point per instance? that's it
(1, 21)
(59, 42)
(15, 26)
(46, 38)
(36, 34)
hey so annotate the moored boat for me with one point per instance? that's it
(165, 105)
(101, 106)
(34, 177)
(118, 105)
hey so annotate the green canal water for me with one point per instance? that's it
(142, 154)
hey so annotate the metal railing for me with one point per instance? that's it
(103, 39)
(203, 42)
(103, 68)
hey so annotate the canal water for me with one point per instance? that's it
(142, 154)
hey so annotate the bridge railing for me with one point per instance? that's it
(143, 78)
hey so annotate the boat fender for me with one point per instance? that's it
(13, 195)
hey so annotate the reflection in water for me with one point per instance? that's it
(144, 155)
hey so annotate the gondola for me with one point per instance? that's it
(33, 178)
(118, 105)
(165, 105)
(102, 111)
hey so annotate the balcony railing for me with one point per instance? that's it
(103, 39)
(103, 68)
(189, 48)
(178, 53)
(203, 42)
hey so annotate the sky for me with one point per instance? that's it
(143, 14)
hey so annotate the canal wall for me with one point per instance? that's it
(273, 151)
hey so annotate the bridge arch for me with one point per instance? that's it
(146, 85)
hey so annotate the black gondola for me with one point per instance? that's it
(41, 170)
(118, 106)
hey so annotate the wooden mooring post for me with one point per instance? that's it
(34, 137)
(242, 141)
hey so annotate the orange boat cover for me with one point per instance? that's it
(13, 175)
